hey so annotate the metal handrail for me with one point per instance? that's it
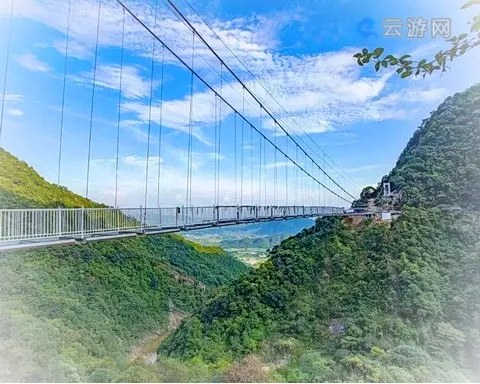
(80, 223)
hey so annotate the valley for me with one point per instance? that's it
(250, 243)
(335, 299)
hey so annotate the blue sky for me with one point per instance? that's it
(300, 51)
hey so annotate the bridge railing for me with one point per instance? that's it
(34, 224)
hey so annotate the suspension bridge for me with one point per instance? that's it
(154, 110)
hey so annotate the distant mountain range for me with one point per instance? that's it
(284, 227)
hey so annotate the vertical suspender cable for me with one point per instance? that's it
(324, 189)
(314, 194)
(286, 174)
(242, 144)
(7, 61)
(93, 98)
(260, 163)
(235, 145)
(119, 110)
(219, 134)
(305, 180)
(159, 164)
(190, 131)
(251, 164)
(60, 138)
(216, 149)
(275, 168)
(265, 170)
(152, 72)
(296, 175)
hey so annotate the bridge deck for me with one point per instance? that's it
(35, 228)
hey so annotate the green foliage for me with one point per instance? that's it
(441, 163)
(73, 313)
(406, 67)
(22, 187)
(368, 302)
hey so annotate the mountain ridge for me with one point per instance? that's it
(344, 301)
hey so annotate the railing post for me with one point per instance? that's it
(217, 213)
(183, 215)
(141, 218)
(177, 211)
(59, 222)
(82, 229)
(303, 210)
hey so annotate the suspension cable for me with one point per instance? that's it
(251, 164)
(152, 74)
(94, 83)
(159, 165)
(275, 194)
(235, 146)
(219, 135)
(119, 110)
(286, 175)
(60, 138)
(296, 176)
(216, 149)
(265, 170)
(190, 132)
(276, 101)
(216, 93)
(242, 83)
(7, 62)
(241, 170)
(324, 189)
(259, 170)
(260, 161)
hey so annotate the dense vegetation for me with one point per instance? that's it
(22, 187)
(73, 313)
(350, 301)
(441, 163)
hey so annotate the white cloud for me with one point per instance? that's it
(364, 168)
(279, 164)
(31, 62)
(75, 49)
(335, 92)
(173, 185)
(134, 86)
(15, 112)
(141, 161)
(13, 98)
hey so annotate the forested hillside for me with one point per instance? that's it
(22, 187)
(74, 313)
(349, 301)
(441, 163)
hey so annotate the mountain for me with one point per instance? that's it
(350, 300)
(286, 227)
(253, 242)
(22, 187)
(75, 313)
